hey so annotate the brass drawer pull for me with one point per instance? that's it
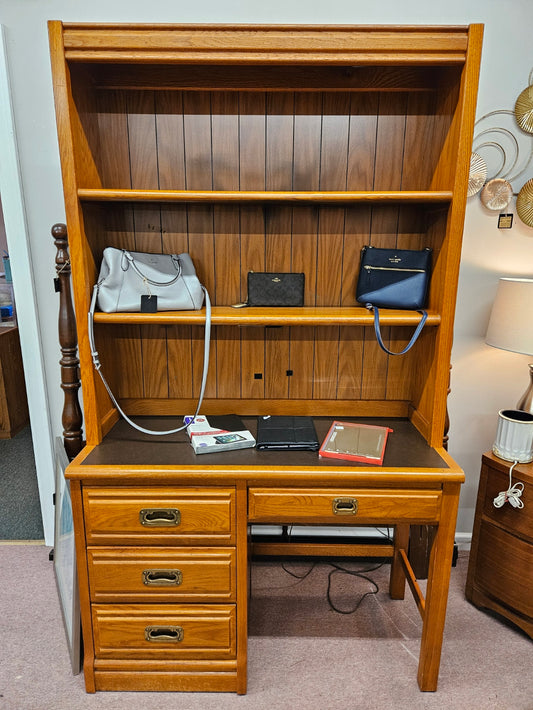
(164, 634)
(345, 506)
(162, 577)
(160, 517)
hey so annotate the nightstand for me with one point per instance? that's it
(500, 571)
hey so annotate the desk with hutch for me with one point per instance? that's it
(258, 148)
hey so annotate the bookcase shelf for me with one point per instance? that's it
(346, 196)
(249, 316)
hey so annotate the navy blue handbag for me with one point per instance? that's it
(394, 278)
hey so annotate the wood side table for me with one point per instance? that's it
(500, 571)
(14, 414)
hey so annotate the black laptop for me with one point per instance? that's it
(286, 433)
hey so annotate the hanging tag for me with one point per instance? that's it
(148, 304)
(57, 285)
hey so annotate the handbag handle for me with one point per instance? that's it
(98, 366)
(175, 261)
(409, 344)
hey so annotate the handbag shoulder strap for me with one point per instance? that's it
(409, 344)
(98, 366)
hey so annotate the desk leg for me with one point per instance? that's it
(242, 586)
(440, 565)
(397, 572)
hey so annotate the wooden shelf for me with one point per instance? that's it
(307, 316)
(415, 196)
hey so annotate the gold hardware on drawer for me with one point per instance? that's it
(159, 517)
(344, 506)
(163, 634)
(162, 577)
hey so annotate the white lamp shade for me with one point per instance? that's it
(511, 319)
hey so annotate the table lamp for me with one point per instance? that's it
(511, 325)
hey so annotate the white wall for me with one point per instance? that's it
(483, 379)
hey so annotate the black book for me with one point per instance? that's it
(286, 433)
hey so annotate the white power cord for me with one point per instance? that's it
(512, 494)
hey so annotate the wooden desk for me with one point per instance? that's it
(14, 413)
(162, 546)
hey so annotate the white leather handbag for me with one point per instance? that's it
(141, 282)
(132, 281)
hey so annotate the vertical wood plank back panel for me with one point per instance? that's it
(113, 154)
(390, 141)
(362, 141)
(326, 363)
(329, 256)
(227, 224)
(301, 358)
(279, 140)
(307, 141)
(356, 236)
(225, 136)
(421, 147)
(228, 361)
(278, 242)
(197, 136)
(253, 140)
(276, 363)
(170, 140)
(180, 371)
(142, 140)
(304, 248)
(252, 136)
(252, 256)
(253, 363)
(335, 136)
(350, 363)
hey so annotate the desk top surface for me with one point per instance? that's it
(125, 447)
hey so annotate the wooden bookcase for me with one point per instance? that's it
(267, 148)
(261, 148)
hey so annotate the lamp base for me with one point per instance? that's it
(514, 436)
(526, 402)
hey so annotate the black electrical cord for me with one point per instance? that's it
(338, 568)
(355, 573)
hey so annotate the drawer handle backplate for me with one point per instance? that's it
(345, 506)
(162, 577)
(160, 517)
(163, 634)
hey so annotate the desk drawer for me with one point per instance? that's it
(159, 516)
(164, 632)
(151, 574)
(342, 506)
(505, 569)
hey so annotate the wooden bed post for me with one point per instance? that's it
(72, 418)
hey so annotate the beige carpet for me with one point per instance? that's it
(301, 654)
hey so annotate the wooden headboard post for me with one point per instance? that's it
(72, 417)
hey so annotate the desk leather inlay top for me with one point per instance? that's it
(124, 446)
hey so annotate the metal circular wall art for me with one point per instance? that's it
(523, 110)
(496, 194)
(478, 174)
(524, 203)
(501, 154)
